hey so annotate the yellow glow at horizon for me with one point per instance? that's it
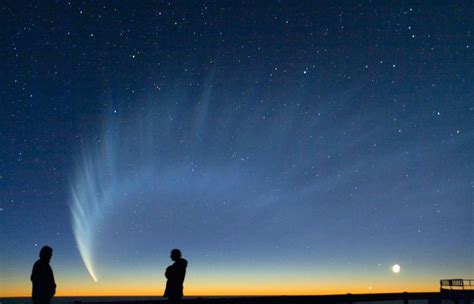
(219, 281)
(132, 287)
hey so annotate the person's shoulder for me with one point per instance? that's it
(38, 266)
(37, 263)
(41, 263)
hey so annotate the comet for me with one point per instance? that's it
(149, 163)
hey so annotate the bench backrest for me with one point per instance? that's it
(452, 283)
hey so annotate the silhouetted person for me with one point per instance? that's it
(42, 278)
(175, 274)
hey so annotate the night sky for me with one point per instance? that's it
(284, 147)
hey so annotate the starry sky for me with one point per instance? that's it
(285, 147)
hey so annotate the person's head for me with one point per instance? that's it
(175, 254)
(46, 253)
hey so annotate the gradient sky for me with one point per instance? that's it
(285, 148)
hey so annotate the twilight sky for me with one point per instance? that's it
(284, 147)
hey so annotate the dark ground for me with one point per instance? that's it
(458, 297)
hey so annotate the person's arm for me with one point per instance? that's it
(51, 281)
(34, 273)
(182, 274)
(54, 285)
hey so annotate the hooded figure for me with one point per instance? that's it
(42, 278)
(175, 274)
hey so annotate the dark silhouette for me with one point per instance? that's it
(175, 274)
(42, 278)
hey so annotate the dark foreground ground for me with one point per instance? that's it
(445, 297)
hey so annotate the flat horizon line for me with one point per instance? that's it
(236, 296)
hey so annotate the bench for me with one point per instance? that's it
(456, 284)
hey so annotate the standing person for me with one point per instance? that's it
(175, 274)
(42, 278)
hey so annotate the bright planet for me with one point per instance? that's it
(396, 268)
